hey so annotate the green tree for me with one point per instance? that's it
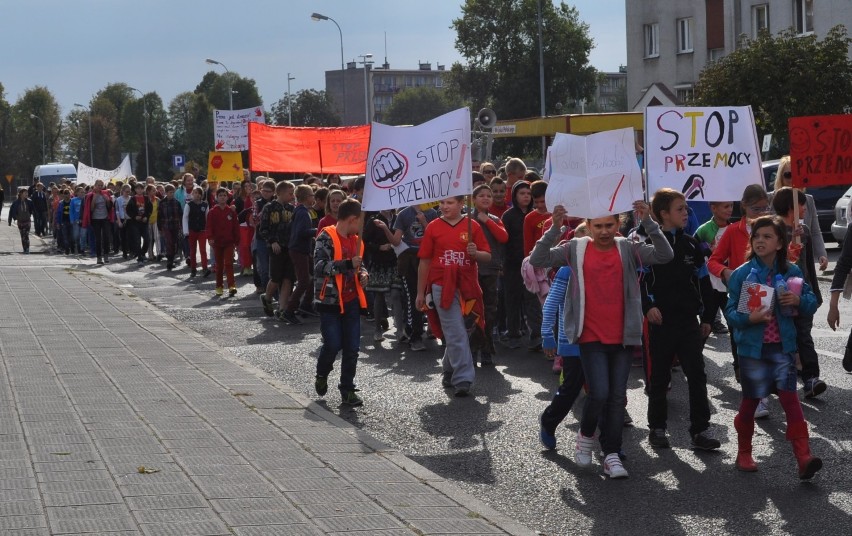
(134, 122)
(499, 40)
(215, 87)
(416, 105)
(311, 108)
(6, 134)
(27, 140)
(75, 136)
(106, 141)
(782, 76)
(190, 125)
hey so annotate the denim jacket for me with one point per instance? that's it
(748, 336)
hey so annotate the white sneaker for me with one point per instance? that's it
(762, 410)
(584, 447)
(613, 467)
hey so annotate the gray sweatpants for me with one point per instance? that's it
(457, 357)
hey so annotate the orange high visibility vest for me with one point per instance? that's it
(338, 279)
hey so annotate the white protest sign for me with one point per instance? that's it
(230, 127)
(708, 154)
(548, 167)
(594, 176)
(88, 175)
(413, 165)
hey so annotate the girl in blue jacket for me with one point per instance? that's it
(766, 344)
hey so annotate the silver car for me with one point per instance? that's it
(841, 213)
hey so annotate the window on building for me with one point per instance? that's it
(652, 40)
(684, 94)
(759, 19)
(684, 35)
(803, 16)
(716, 54)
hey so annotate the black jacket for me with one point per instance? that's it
(680, 287)
(513, 221)
(275, 219)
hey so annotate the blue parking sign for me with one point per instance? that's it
(178, 160)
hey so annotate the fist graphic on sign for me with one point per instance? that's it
(388, 168)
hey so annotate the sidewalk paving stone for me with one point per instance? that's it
(100, 387)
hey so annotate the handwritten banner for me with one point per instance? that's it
(230, 127)
(594, 176)
(413, 165)
(709, 154)
(224, 166)
(821, 150)
(88, 175)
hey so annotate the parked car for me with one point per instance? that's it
(825, 199)
(841, 216)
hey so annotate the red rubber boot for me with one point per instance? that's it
(797, 434)
(745, 431)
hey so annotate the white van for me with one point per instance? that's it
(55, 172)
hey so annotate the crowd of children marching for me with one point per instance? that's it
(591, 295)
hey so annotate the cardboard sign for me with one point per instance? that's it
(593, 176)
(224, 167)
(821, 150)
(230, 127)
(708, 154)
(414, 165)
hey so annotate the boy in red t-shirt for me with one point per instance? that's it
(449, 253)
(498, 188)
(534, 221)
(533, 229)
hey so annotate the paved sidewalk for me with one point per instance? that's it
(117, 419)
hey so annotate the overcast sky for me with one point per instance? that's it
(76, 47)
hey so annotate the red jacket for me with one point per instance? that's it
(223, 227)
(87, 207)
(732, 247)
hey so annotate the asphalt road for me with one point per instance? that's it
(488, 443)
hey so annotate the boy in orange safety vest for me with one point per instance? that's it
(339, 280)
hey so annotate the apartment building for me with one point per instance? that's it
(670, 41)
(360, 85)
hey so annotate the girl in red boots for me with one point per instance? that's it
(766, 343)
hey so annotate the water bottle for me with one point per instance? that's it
(752, 276)
(781, 286)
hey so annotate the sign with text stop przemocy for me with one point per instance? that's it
(708, 154)
(821, 150)
(414, 165)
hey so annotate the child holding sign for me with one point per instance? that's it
(603, 313)
(766, 342)
(451, 248)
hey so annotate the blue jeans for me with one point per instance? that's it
(340, 332)
(607, 368)
(261, 251)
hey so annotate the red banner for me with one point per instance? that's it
(308, 149)
(821, 150)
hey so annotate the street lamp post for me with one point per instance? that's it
(289, 107)
(91, 152)
(230, 79)
(319, 17)
(34, 116)
(366, 61)
(145, 123)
